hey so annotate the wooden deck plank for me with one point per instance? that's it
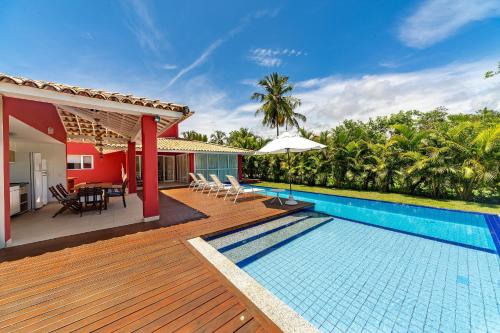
(123, 292)
(143, 277)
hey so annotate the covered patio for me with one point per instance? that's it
(60, 114)
(40, 225)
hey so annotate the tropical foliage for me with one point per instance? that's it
(434, 154)
(277, 105)
(194, 136)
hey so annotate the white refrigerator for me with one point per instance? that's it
(38, 181)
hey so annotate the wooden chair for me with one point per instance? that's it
(90, 198)
(62, 190)
(72, 204)
(119, 192)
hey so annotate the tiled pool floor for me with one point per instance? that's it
(349, 277)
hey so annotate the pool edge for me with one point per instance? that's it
(276, 310)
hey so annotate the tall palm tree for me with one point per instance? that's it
(218, 137)
(277, 105)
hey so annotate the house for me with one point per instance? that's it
(88, 135)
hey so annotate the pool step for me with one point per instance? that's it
(263, 242)
(236, 238)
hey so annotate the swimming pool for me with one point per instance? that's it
(462, 228)
(376, 274)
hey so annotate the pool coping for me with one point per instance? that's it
(385, 201)
(276, 310)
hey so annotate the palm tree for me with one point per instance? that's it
(277, 106)
(218, 137)
(194, 136)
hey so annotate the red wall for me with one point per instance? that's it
(38, 115)
(6, 171)
(240, 167)
(106, 169)
(171, 132)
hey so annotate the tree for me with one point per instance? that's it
(489, 74)
(218, 137)
(277, 105)
(194, 136)
(433, 154)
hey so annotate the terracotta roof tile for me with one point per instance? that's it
(182, 145)
(93, 93)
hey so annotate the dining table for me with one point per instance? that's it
(106, 186)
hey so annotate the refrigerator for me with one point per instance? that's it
(38, 181)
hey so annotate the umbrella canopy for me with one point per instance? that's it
(287, 143)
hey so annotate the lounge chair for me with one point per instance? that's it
(236, 189)
(70, 203)
(204, 183)
(195, 183)
(218, 185)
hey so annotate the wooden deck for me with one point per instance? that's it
(143, 277)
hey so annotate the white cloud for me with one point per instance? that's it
(140, 21)
(218, 42)
(272, 57)
(326, 101)
(435, 20)
(169, 66)
(459, 87)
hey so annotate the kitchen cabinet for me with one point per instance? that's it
(15, 201)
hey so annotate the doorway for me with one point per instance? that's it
(166, 168)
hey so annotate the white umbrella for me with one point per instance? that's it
(286, 143)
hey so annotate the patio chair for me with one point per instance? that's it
(119, 192)
(71, 203)
(91, 197)
(195, 183)
(204, 183)
(218, 185)
(62, 190)
(236, 189)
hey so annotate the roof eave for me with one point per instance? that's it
(61, 98)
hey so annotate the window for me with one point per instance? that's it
(218, 164)
(138, 167)
(80, 162)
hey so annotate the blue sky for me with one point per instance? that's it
(348, 59)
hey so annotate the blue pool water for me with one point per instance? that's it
(454, 226)
(402, 269)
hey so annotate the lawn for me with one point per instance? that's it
(395, 197)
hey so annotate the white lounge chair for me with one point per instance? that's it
(204, 183)
(218, 185)
(195, 183)
(236, 189)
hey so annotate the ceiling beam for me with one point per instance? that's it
(80, 113)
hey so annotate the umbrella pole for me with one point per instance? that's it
(290, 201)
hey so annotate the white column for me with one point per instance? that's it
(2, 179)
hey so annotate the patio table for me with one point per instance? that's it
(105, 186)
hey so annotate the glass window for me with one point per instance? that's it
(212, 161)
(217, 164)
(74, 162)
(79, 162)
(222, 161)
(138, 167)
(87, 162)
(201, 161)
(233, 161)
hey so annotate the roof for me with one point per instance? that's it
(93, 93)
(187, 146)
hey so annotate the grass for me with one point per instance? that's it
(395, 197)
